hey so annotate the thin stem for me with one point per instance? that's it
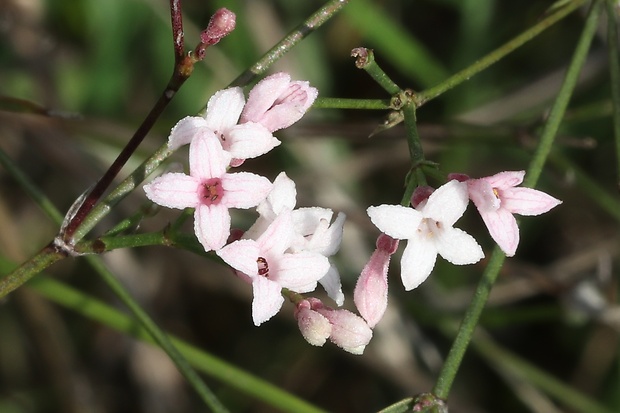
(558, 109)
(316, 20)
(472, 316)
(158, 335)
(614, 73)
(498, 53)
(416, 176)
(344, 103)
(365, 59)
(181, 72)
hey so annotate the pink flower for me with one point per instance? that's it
(497, 199)
(244, 141)
(428, 231)
(276, 102)
(270, 267)
(209, 189)
(371, 291)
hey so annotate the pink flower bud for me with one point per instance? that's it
(349, 331)
(276, 102)
(220, 25)
(458, 176)
(315, 328)
(371, 291)
(420, 195)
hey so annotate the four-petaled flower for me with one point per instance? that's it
(497, 199)
(209, 189)
(270, 267)
(428, 231)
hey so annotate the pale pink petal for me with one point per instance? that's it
(212, 226)
(267, 299)
(447, 204)
(174, 190)
(207, 159)
(331, 283)
(503, 229)
(278, 236)
(184, 131)
(299, 96)
(263, 95)
(457, 246)
(505, 179)
(242, 256)
(371, 290)
(527, 201)
(417, 262)
(308, 219)
(300, 272)
(314, 327)
(395, 220)
(224, 108)
(283, 196)
(327, 236)
(244, 189)
(249, 140)
(482, 195)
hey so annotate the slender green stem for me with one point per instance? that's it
(158, 335)
(365, 59)
(614, 73)
(416, 176)
(343, 103)
(560, 104)
(466, 330)
(470, 320)
(316, 20)
(498, 53)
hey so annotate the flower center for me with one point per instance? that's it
(263, 267)
(212, 191)
(428, 227)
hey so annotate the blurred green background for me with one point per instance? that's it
(101, 65)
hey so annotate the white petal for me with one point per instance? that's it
(457, 246)
(174, 190)
(249, 140)
(184, 131)
(308, 219)
(395, 220)
(327, 237)
(212, 226)
(278, 236)
(448, 203)
(332, 285)
(244, 190)
(417, 262)
(224, 108)
(207, 159)
(242, 256)
(283, 196)
(300, 272)
(267, 299)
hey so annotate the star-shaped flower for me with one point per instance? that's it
(270, 267)
(497, 198)
(241, 141)
(428, 231)
(209, 189)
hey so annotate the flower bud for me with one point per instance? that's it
(315, 328)
(220, 25)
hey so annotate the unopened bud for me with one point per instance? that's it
(220, 25)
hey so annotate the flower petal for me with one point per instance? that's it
(184, 131)
(527, 201)
(207, 159)
(244, 189)
(482, 195)
(457, 246)
(278, 236)
(332, 285)
(448, 203)
(242, 256)
(267, 299)
(212, 226)
(300, 272)
(283, 196)
(249, 140)
(505, 179)
(263, 95)
(395, 220)
(224, 108)
(417, 262)
(503, 229)
(174, 190)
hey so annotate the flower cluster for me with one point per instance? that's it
(286, 251)
(428, 229)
